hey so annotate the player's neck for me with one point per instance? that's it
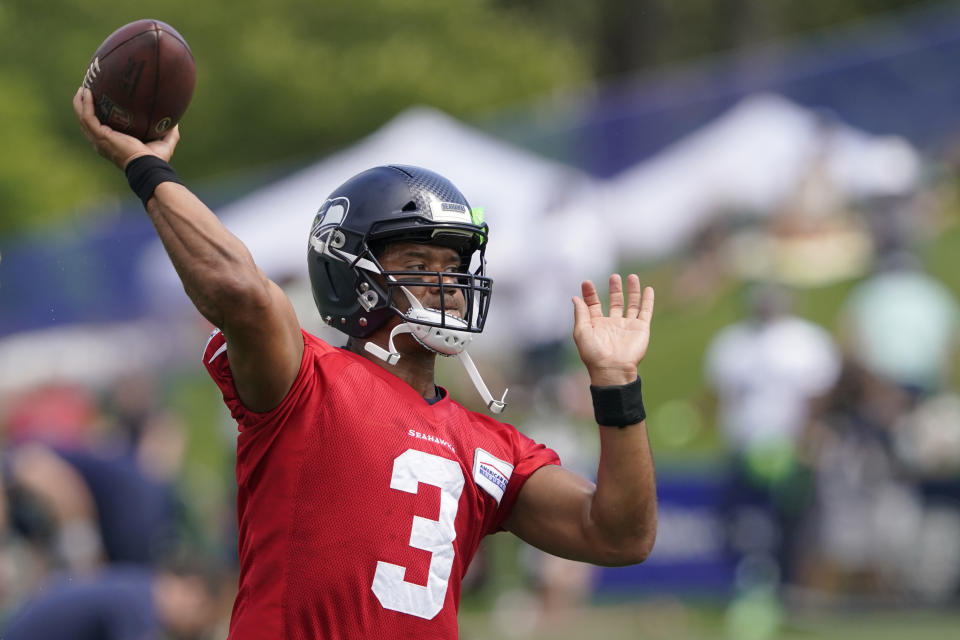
(415, 367)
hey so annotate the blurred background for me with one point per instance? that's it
(784, 172)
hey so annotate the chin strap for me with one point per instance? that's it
(442, 340)
(392, 356)
(495, 406)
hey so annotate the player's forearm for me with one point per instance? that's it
(623, 509)
(216, 269)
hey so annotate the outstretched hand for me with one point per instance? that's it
(612, 346)
(119, 148)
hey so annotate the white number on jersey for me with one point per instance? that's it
(411, 468)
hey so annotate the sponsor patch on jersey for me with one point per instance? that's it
(491, 473)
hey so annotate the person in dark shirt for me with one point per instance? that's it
(120, 603)
(136, 513)
(107, 508)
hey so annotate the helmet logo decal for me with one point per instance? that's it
(332, 212)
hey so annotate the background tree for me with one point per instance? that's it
(290, 80)
(626, 36)
(283, 81)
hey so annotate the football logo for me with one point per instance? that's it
(332, 212)
(117, 117)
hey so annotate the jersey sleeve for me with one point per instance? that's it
(529, 457)
(218, 366)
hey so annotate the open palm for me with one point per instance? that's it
(612, 346)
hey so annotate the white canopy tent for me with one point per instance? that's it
(543, 239)
(750, 159)
(94, 354)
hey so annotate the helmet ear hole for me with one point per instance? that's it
(410, 206)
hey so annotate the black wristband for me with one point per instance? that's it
(618, 406)
(145, 173)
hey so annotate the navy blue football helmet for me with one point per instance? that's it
(356, 295)
(394, 204)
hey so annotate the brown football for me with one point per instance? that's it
(142, 79)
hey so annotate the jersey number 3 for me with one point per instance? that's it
(411, 468)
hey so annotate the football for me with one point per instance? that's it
(142, 78)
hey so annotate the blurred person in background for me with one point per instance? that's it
(856, 482)
(131, 473)
(136, 511)
(901, 325)
(25, 560)
(94, 513)
(886, 510)
(766, 371)
(61, 492)
(926, 443)
(52, 507)
(124, 603)
(886, 447)
(111, 489)
(57, 414)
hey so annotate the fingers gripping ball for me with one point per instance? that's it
(142, 79)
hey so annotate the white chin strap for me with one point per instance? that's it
(447, 341)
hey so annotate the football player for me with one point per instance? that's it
(364, 489)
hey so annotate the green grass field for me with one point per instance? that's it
(673, 620)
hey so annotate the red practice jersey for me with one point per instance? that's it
(361, 504)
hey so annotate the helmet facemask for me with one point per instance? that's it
(378, 289)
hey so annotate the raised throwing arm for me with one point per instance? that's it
(264, 343)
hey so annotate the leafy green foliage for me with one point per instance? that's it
(276, 82)
(40, 177)
(625, 36)
(289, 80)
